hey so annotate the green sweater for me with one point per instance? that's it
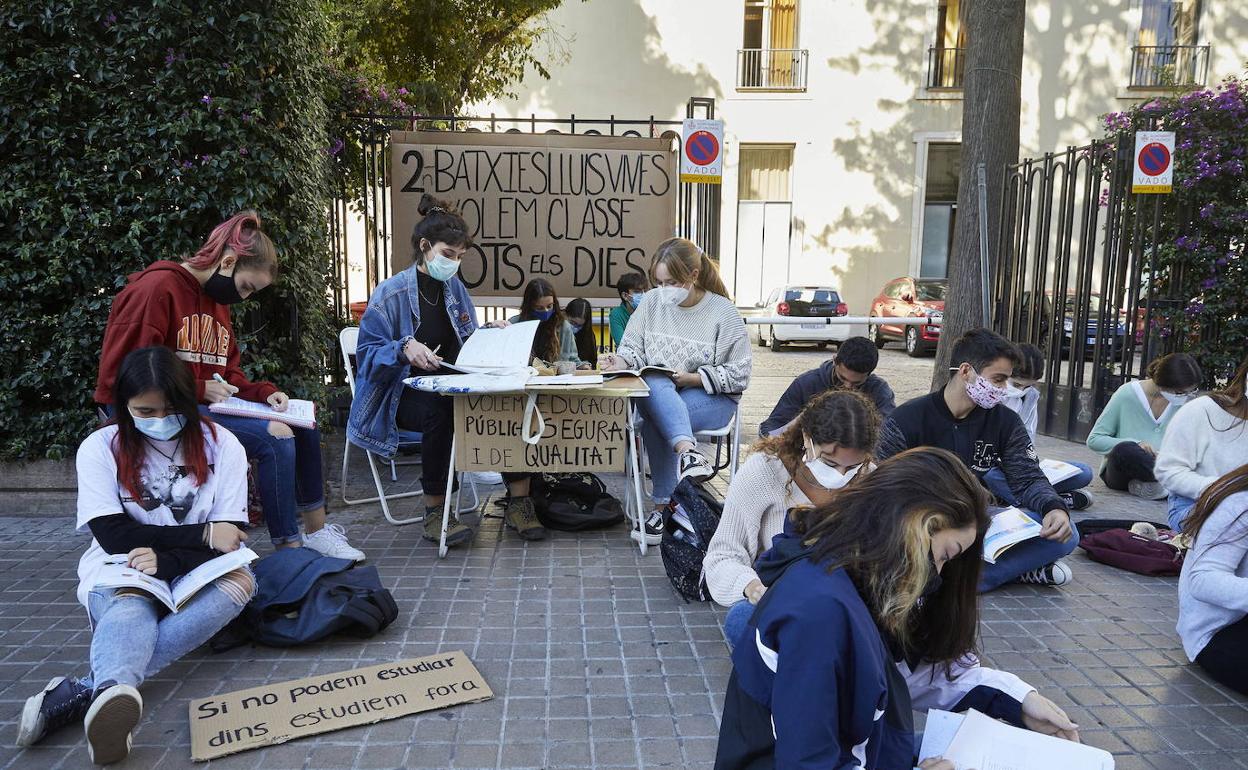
(619, 321)
(1127, 418)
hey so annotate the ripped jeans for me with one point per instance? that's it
(134, 636)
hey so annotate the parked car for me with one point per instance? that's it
(1113, 337)
(909, 297)
(814, 302)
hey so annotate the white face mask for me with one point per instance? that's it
(1177, 399)
(825, 475)
(672, 295)
(1013, 391)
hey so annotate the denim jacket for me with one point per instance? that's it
(394, 313)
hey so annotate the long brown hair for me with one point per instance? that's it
(546, 341)
(879, 530)
(1175, 371)
(842, 417)
(1232, 483)
(1232, 397)
(682, 257)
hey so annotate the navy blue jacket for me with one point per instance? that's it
(812, 383)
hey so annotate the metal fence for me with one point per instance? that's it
(946, 68)
(1076, 274)
(1169, 66)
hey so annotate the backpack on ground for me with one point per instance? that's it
(574, 502)
(303, 596)
(1124, 549)
(689, 523)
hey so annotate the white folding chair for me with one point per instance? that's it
(731, 432)
(347, 340)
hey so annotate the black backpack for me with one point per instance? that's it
(303, 596)
(689, 523)
(573, 502)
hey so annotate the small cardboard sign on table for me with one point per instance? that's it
(282, 711)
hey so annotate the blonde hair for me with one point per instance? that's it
(683, 257)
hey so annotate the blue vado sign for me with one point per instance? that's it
(1153, 170)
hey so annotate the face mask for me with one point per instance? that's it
(576, 328)
(441, 268)
(825, 475)
(934, 579)
(1013, 391)
(984, 393)
(1177, 399)
(160, 428)
(673, 295)
(222, 289)
(635, 299)
(544, 315)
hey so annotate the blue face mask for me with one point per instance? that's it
(442, 268)
(635, 299)
(160, 428)
(576, 328)
(544, 315)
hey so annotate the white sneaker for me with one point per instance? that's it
(694, 466)
(487, 478)
(331, 540)
(1055, 574)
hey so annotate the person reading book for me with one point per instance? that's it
(965, 417)
(852, 368)
(415, 321)
(185, 305)
(1022, 398)
(688, 325)
(870, 612)
(831, 446)
(1129, 430)
(555, 339)
(581, 317)
(165, 489)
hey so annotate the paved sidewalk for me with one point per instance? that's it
(595, 661)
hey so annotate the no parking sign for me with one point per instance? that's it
(1153, 171)
(702, 151)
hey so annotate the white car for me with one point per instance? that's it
(814, 302)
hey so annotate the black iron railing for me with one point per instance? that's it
(1169, 66)
(945, 68)
(772, 69)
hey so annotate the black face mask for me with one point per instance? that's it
(933, 580)
(222, 289)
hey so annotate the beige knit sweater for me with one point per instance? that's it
(758, 499)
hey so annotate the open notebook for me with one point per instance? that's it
(115, 574)
(299, 413)
(496, 351)
(977, 741)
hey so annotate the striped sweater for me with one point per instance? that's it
(708, 338)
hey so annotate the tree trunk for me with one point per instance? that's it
(991, 105)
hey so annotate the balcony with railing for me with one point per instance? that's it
(1169, 66)
(772, 69)
(945, 68)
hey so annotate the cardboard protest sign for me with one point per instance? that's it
(583, 433)
(577, 210)
(279, 712)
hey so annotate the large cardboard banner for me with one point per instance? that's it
(583, 433)
(577, 210)
(282, 711)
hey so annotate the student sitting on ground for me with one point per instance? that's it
(415, 320)
(1023, 399)
(850, 369)
(555, 339)
(963, 417)
(185, 306)
(832, 440)
(689, 325)
(1206, 439)
(580, 317)
(1213, 587)
(1135, 420)
(870, 612)
(125, 470)
(631, 287)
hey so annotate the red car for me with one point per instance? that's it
(909, 297)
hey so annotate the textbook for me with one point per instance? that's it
(115, 574)
(977, 741)
(639, 372)
(1057, 471)
(496, 351)
(299, 413)
(1009, 527)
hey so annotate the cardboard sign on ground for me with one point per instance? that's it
(583, 433)
(279, 712)
(580, 211)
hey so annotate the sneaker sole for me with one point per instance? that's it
(650, 539)
(31, 725)
(698, 472)
(109, 723)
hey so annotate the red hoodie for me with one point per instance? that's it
(165, 305)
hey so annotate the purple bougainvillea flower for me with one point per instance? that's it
(206, 99)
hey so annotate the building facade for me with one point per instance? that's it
(843, 117)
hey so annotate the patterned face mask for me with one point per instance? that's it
(984, 393)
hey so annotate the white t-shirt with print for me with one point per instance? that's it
(170, 496)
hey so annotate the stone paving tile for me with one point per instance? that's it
(595, 661)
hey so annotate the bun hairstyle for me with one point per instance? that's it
(1176, 371)
(243, 236)
(842, 417)
(682, 257)
(440, 223)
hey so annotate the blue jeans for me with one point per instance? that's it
(736, 622)
(1025, 556)
(997, 485)
(288, 471)
(132, 642)
(1178, 508)
(671, 416)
